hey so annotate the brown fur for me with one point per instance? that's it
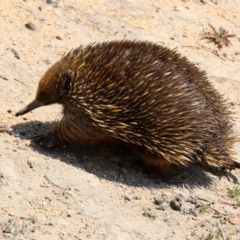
(141, 94)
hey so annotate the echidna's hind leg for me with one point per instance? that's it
(156, 164)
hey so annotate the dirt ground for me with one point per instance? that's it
(102, 193)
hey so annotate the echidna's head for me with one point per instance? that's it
(52, 88)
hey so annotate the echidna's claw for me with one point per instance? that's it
(46, 141)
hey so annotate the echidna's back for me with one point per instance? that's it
(150, 96)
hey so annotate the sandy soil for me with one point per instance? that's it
(79, 193)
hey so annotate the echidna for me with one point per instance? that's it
(142, 95)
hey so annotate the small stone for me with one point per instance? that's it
(161, 208)
(198, 205)
(54, 4)
(1, 175)
(175, 205)
(30, 164)
(126, 198)
(178, 198)
(136, 197)
(69, 215)
(158, 201)
(58, 37)
(30, 26)
(191, 200)
(7, 230)
(9, 111)
(16, 54)
(47, 198)
(47, 61)
(193, 211)
(3, 77)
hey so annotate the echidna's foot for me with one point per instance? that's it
(47, 141)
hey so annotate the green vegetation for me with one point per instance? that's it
(147, 212)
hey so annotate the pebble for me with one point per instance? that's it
(191, 200)
(193, 211)
(47, 61)
(198, 205)
(178, 197)
(54, 4)
(30, 164)
(58, 37)
(161, 208)
(158, 201)
(126, 198)
(7, 230)
(30, 26)
(3, 77)
(48, 198)
(175, 205)
(1, 175)
(16, 54)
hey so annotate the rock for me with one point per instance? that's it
(175, 205)
(3, 77)
(161, 207)
(30, 26)
(30, 164)
(126, 198)
(158, 201)
(16, 54)
(58, 37)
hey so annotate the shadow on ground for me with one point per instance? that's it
(116, 163)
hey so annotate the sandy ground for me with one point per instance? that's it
(103, 193)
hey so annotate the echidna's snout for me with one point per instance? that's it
(31, 106)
